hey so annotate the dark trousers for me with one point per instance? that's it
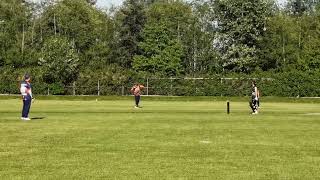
(137, 99)
(254, 105)
(26, 106)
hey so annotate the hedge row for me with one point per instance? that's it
(285, 84)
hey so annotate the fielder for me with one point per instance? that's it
(136, 91)
(27, 97)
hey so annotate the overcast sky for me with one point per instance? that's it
(108, 3)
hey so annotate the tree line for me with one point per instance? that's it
(62, 41)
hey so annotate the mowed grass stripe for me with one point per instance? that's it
(53, 106)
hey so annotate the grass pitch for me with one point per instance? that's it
(175, 139)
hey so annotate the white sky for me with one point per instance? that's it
(108, 3)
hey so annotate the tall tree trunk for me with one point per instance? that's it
(22, 43)
(54, 24)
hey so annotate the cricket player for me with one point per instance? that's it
(27, 97)
(136, 91)
(255, 95)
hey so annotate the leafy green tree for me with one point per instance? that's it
(279, 47)
(161, 53)
(89, 30)
(130, 21)
(14, 21)
(310, 55)
(300, 7)
(202, 58)
(290, 43)
(59, 60)
(182, 25)
(240, 24)
(92, 2)
(174, 19)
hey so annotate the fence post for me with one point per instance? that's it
(9, 88)
(221, 86)
(74, 88)
(195, 87)
(147, 86)
(48, 91)
(122, 90)
(171, 86)
(98, 87)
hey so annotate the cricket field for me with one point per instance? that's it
(169, 138)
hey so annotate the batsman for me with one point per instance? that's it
(255, 95)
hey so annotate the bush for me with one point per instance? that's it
(116, 81)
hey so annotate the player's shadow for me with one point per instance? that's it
(37, 118)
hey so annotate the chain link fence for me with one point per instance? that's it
(153, 87)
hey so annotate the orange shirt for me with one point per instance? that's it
(136, 90)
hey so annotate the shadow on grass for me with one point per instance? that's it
(37, 118)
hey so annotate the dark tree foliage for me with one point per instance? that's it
(61, 41)
(132, 19)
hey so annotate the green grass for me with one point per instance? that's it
(174, 139)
